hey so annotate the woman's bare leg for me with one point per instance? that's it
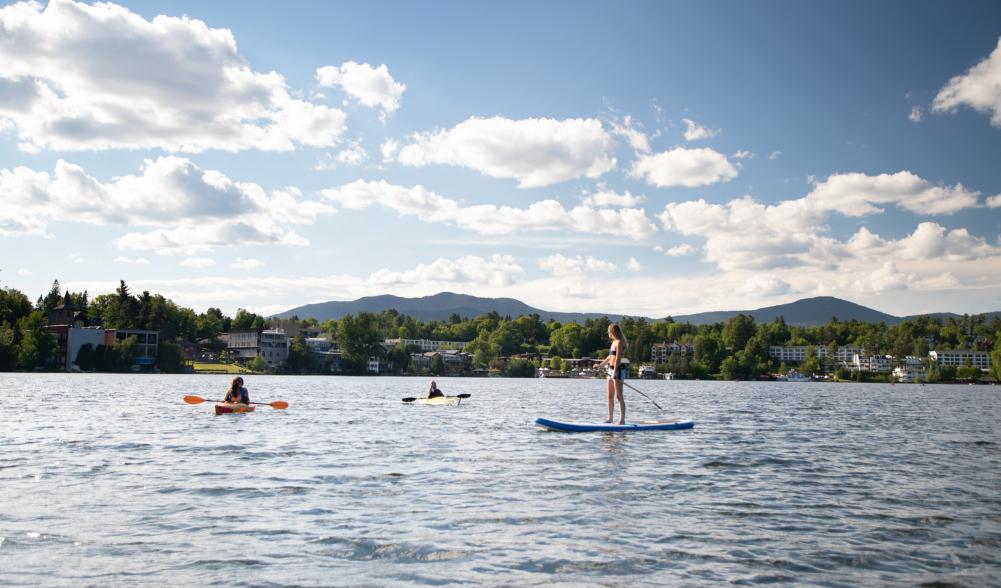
(611, 400)
(622, 402)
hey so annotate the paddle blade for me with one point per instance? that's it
(462, 395)
(279, 404)
(409, 399)
(194, 399)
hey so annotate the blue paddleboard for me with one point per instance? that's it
(637, 426)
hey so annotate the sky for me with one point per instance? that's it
(643, 158)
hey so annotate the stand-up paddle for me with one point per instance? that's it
(642, 394)
(279, 404)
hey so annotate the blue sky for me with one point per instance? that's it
(647, 158)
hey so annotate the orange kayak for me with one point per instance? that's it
(233, 407)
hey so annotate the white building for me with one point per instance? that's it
(661, 352)
(426, 344)
(959, 357)
(876, 363)
(797, 353)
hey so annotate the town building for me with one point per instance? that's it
(876, 363)
(663, 352)
(959, 357)
(426, 344)
(147, 343)
(909, 374)
(271, 345)
(797, 353)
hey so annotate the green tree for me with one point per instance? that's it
(399, 355)
(13, 305)
(437, 365)
(121, 355)
(8, 348)
(359, 339)
(996, 358)
(37, 347)
(520, 368)
(257, 365)
(298, 361)
(169, 358)
(738, 330)
(730, 368)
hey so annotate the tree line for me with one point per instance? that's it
(734, 349)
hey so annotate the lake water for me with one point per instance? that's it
(111, 480)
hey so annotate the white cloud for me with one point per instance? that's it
(634, 265)
(76, 257)
(198, 262)
(764, 285)
(76, 76)
(499, 270)
(677, 250)
(774, 155)
(743, 154)
(916, 114)
(559, 265)
(489, 219)
(978, 88)
(371, 86)
(131, 260)
(246, 264)
(24, 273)
(190, 209)
(535, 151)
(637, 139)
(746, 235)
(993, 201)
(684, 167)
(389, 149)
(605, 197)
(696, 132)
(856, 194)
(352, 154)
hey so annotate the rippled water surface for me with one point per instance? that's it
(113, 481)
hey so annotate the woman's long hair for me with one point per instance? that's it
(234, 389)
(616, 333)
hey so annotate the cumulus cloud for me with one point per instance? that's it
(489, 219)
(978, 88)
(352, 154)
(743, 155)
(993, 201)
(684, 167)
(189, 208)
(745, 234)
(636, 138)
(77, 76)
(774, 155)
(560, 265)
(695, 131)
(534, 151)
(389, 149)
(371, 86)
(605, 197)
(131, 260)
(917, 113)
(764, 285)
(856, 194)
(634, 265)
(499, 270)
(677, 250)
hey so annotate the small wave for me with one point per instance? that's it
(365, 550)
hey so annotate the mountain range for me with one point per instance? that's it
(805, 312)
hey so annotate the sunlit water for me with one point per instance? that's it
(112, 480)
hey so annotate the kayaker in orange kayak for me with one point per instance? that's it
(237, 393)
(434, 391)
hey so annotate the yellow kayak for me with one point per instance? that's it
(438, 400)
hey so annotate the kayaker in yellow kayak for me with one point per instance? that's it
(434, 391)
(237, 393)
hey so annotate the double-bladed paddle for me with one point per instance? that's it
(412, 398)
(279, 404)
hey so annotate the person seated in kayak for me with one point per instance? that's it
(237, 393)
(434, 391)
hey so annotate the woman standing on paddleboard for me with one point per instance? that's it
(616, 372)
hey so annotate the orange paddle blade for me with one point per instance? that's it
(194, 399)
(279, 404)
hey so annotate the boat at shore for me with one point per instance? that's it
(793, 376)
